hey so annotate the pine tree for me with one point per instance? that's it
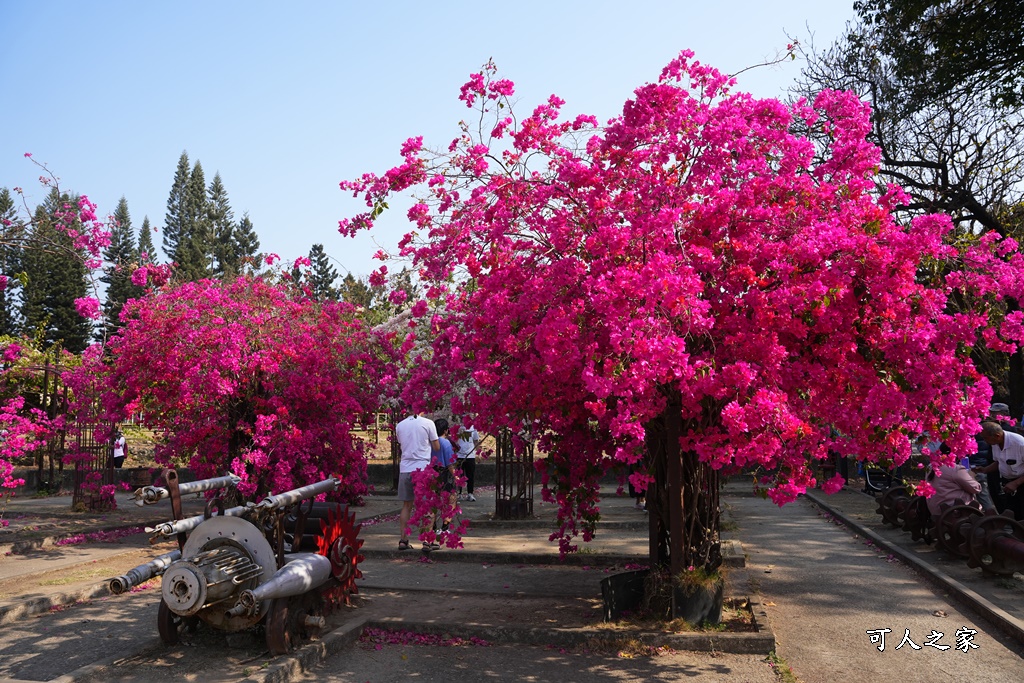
(120, 256)
(322, 275)
(176, 221)
(222, 228)
(193, 255)
(356, 292)
(56, 276)
(8, 262)
(146, 250)
(144, 254)
(247, 244)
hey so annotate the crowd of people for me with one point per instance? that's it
(426, 443)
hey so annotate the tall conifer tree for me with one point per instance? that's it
(322, 275)
(8, 263)
(222, 228)
(176, 222)
(146, 250)
(193, 256)
(120, 256)
(247, 243)
(56, 276)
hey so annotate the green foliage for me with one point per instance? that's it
(120, 256)
(247, 244)
(940, 48)
(8, 262)
(222, 227)
(146, 242)
(357, 292)
(948, 119)
(322, 275)
(176, 220)
(56, 276)
(781, 668)
(194, 242)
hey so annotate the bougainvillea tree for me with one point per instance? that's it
(26, 424)
(249, 377)
(693, 286)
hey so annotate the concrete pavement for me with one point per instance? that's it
(823, 588)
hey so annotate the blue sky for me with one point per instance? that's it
(286, 100)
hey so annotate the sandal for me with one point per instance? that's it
(404, 545)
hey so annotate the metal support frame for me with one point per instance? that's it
(513, 477)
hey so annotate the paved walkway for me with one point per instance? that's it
(823, 587)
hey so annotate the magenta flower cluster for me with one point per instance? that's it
(696, 252)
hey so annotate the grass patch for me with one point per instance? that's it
(781, 669)
(74, 577)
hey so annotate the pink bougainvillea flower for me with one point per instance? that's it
(695, 258)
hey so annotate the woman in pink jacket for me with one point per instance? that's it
(953, 485)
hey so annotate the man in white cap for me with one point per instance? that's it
(1000, 412)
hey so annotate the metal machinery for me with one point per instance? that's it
(995, 543)
(250, 564)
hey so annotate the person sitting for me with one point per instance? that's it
(954, 485)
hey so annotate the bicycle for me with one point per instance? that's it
(878, 478)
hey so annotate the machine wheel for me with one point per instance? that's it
(339, 541)
(948, 529)
(172, 626)
(985, 532)
(892, 504)
(288, 621)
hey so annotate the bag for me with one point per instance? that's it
(445, 478)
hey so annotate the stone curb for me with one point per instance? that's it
(97, 671)
(1006, 622)
(44, 603)
(24, 546)
(761, 642)
(732, 556)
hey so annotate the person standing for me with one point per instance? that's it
(1000, 413)
(444, 464)
(469, 439)
(1008, 453)
(417, 439)
(120, 449)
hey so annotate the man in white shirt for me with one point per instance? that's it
(417, 437)
(120, 449)
(1008, 454)
(469, 439)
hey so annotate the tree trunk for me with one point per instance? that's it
(682, 502)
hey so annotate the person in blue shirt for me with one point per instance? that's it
(443, 461)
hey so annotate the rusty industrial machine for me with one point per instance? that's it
(284, 562)
(993, 543)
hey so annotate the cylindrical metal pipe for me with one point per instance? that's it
(1008, 547)
(143, 573)
(148, 495)
(186, 525)
(302, 573)
(296, 495)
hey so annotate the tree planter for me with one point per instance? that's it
(623, 593)
(698, 604)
